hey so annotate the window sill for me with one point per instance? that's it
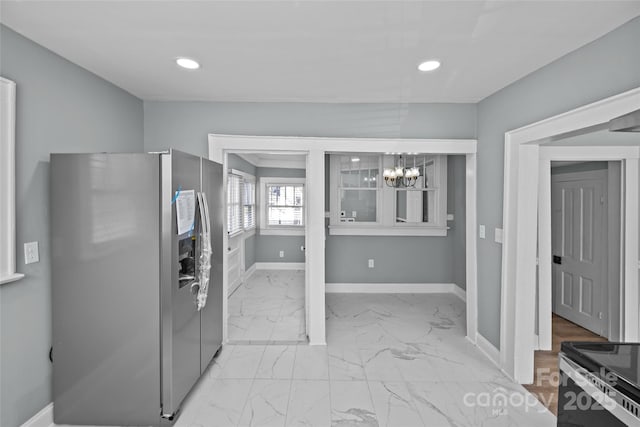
(244, 233)
(10, 278)
(282, 231)
(341, 230)
(235, 234)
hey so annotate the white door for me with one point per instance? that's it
(578, 244)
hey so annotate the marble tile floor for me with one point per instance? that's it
(390, 360)
(268, 308)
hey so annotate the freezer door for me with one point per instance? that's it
(211, 314)
(180, 318)
(105, 300)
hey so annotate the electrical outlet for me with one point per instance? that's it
(281, 254)
(353, 214)
(371, 263)
(31, 253)
(482, 231)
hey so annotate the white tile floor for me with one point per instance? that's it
(391, 360)
(268, 308)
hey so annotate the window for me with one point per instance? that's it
(249, 203)
(358, 187)
(283, 206)
(362, 202)
(419, 205)
(234, 207)
(241, 202)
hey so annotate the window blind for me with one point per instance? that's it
(234, 208)
(249, 205)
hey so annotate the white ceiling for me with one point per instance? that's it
(314, 51)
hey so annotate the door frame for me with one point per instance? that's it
(520, 210)
(315, 149)
(544, 215)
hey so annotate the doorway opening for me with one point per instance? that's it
(527, 201)
(266, 227)
(585, 244)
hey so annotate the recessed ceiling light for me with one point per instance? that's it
(355, 159)
(429, 65)
(187, 63)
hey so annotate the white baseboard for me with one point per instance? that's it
(44, 418)
(279, 265)
(459, 292)
(395, 288)
(247, 274)
(488, 349)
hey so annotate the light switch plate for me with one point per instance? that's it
(371, 263)
(31, 253)
(281, 254)
(481, 231)
(498, 235)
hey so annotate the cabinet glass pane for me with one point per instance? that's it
(429, 174)
(415, 206)
(359, 171)
(358, 205)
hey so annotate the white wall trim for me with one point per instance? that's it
(282, 230)
(8, 182)
(396, 288)
(279, 266)
(520, 214)
(471, 240)
(488, 349)
(44, 418)
(315, 148)
(284, 163)
(351, 230)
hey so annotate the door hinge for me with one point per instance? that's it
(602, 200)
(600, 315)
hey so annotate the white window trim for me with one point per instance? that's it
(385, 225)
(279, 230)
(8, 183)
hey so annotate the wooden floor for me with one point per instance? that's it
(545, 380)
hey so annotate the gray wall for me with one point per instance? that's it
(249, 252)
(60, 108)
(185, 125)
(268, 247)
(238, 163)
(406, 259)
(456, 195)
(579, 167)
(605, 67)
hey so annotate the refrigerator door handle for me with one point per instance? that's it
(204, 265)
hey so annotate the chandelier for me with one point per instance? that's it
(401, 175)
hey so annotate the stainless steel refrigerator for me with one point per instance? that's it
(137, 307)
